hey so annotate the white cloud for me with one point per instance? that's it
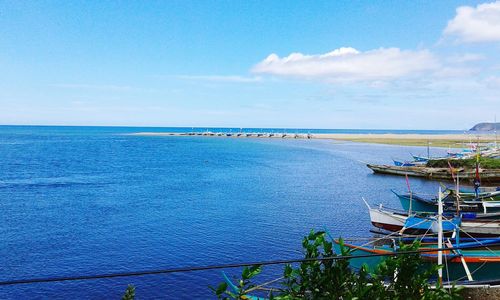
(447, 72)
(220, 78)
(349, 64)
(493, 82)
(465, 58)
(479, 24)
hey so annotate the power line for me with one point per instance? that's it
(216, 267)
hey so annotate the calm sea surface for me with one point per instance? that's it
(90, 200)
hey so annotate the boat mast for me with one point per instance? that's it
(409, 191)
(458, 193)
(440, 237)
(495, 130)
(428, 150)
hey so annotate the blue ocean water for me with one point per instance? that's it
(91, 200)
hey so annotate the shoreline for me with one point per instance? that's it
(413, 139)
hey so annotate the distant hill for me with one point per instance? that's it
(486, 127)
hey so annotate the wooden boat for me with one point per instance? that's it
(425, 159)
(393, 220)
(486, 202)
(475, 260)
(420, 158)
(404, 163)
(482, 262)
(491, 176)
(462, 154)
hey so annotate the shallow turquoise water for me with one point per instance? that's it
(78, 201)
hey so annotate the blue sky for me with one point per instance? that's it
(309, 64)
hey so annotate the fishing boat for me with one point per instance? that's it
(425, 159)
(464, 153)
(490, 176)
(470, 261)
(405, 163)
(482, 262)
(420, 158)
(484, 202)
(475, 225)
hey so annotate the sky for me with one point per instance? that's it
(283, 64)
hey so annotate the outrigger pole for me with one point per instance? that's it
(440, 238)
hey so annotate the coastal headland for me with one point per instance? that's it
(434, 140)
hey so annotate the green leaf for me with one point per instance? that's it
(129, 293)
(221, 289)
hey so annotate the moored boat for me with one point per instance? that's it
(482, 262)
(478, 225)
(488, 176)
(404, 163)
(485, 202)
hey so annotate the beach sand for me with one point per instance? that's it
(434, 140)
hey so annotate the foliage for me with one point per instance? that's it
(244, 285)
(412, 278)
(470, 163)
(318, 277)
(129, 293)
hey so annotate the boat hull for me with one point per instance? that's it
(488, 176)
(416, 204)
(419, 204)
(395, 221)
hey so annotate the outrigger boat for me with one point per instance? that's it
(425, 159)
(470, 261)
(482, 262)
(491, 176)
(476, 225)
(485, 202)
(405, 163)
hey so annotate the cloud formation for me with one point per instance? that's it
(349, 64)
(476, 24)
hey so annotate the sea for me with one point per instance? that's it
(83, 201)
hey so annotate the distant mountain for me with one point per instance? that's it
(486, 127)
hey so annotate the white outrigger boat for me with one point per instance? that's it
(476, 225)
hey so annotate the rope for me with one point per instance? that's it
(446, 266)
(260, 286)
(486, 247)
(394, 233)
